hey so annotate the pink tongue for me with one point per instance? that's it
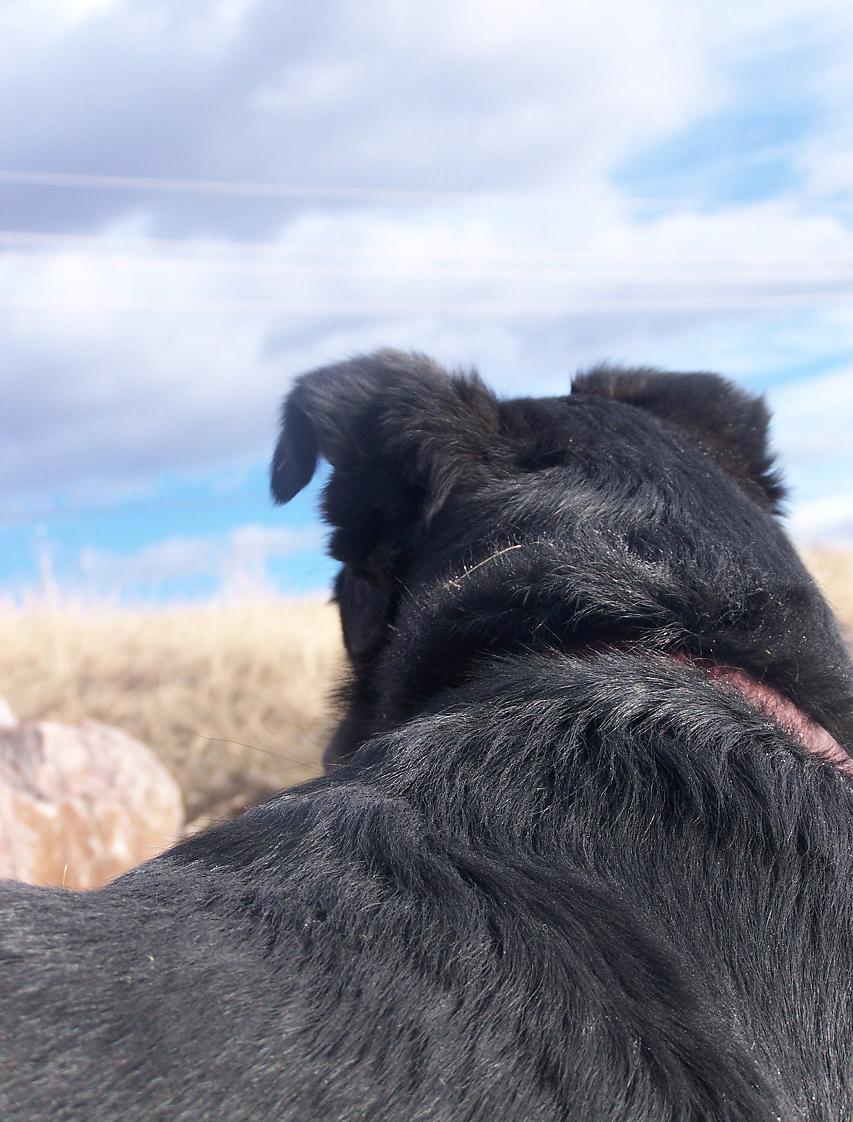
(813, 737)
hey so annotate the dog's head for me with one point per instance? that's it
(640, 508)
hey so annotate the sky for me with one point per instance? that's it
(201, 200)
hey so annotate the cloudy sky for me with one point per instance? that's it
(200, 199)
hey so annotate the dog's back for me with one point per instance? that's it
(564, 864)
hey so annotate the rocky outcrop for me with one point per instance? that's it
(80, 804)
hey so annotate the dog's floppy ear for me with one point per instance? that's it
(399, 434)
(393, 426)
(728, 422)
(335, 412)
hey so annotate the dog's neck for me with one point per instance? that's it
(811, 736)
(768, 700)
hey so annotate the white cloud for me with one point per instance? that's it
(237, 558)
(123, 359)
(125, 355)
(458, 94)
(829, 519)
(813, 417)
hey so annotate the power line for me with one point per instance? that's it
(157, 184)
(269, 256)
(273, 254)
(674, 303)
(328, 192)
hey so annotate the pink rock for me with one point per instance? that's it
(7, 717)
(80, 804)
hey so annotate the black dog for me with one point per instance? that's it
(584, 849)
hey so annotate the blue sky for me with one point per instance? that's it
(198, 201)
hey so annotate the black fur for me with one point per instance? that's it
(553, 872)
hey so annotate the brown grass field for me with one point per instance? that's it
(233, 696)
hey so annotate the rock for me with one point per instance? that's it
(80, 804)
(7, 717)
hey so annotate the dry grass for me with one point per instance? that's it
(833, 571)
(233, 696)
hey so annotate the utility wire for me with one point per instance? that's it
(277, 255)
(314, 191)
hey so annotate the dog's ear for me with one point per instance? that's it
(398, 432)
(726, 421)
